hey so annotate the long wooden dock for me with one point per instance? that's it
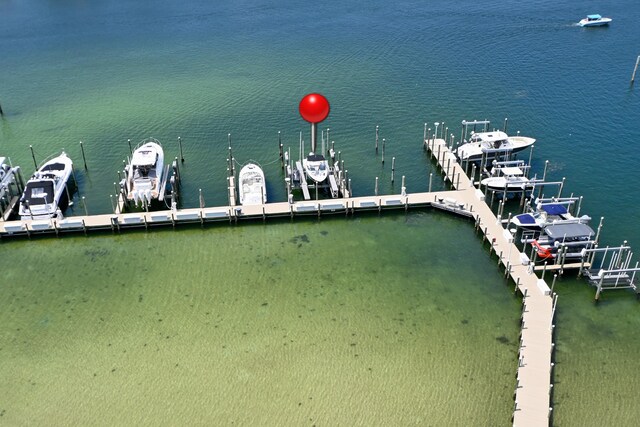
(533, 384)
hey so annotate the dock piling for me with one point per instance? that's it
(393, 169)
(35, 164)
(130, 149)
(633, 76)
(84, 159)
(180, 145)
(376, 139)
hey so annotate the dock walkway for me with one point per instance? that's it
(533, 385)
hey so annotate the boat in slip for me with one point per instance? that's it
(316, 167)
(252, 185)
(573, 237)
(509, 177)
(144, 175)
(491, 145)
(45, 195)
(546, 214)
(594, 20)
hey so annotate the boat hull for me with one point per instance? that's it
(45, 194)
(144, 181)
(252, 188)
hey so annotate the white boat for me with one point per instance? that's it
(316, 167)
(547, 214)
(491, 145)
(252, 186)
(45, 194)
(507, 178)
(144, 173)
(594, 20)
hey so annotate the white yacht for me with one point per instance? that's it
(594, 20)
(316, 167)
(144, 173)
(45, 194)
(491, 145)
(252, 186)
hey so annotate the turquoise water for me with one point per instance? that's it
(104, 73)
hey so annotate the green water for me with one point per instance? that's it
(103, 72)
(284, 324)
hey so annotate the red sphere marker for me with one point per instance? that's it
(314, 108)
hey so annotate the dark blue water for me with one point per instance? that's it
(106, 72)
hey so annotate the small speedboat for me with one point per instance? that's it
(507, 178)
(252, 187)
(144, 173)
(316, 167)
(491, 145)
(594, 21)
(45, 194)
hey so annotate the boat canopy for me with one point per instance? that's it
(511, 171)
(554, 209)
(594, 17)
(568, 232)
(488, 136)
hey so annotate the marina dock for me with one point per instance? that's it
(533, 384)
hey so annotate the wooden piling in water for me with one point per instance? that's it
(633, 76)
(84, 159)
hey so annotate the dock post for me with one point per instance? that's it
(430, 180)
(393, 169)
(383, 144)
(458, 181)
(429, 144)
(553, 283)
(33, 157)
(505, 125)
(113, 206)
(130, 149)
(376, 188)
(633, 76)
(424, 137)
(180, 145)
(350, 194)
(84, 204)
(376, 139)
(201, 198)
(83, 157)
(473, 174)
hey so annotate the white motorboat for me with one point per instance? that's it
(144, 181)
(45, 194)
(316, 167)
(594, 20)
(547, 214)
(508, 178)
(252, 186)
(491, 145)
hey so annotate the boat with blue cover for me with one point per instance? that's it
(547, 214)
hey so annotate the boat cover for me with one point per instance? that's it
(555, 209)
(525, 219)
(569, 232)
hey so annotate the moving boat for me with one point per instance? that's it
(594, 20)
(251, 185)
(547, 214)
(508, 178)
(316, 167)
(44, 196)
(144, 181)
(491, 145)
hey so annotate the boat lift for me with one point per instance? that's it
(337, 181)
(610, 268)
(11, 188)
